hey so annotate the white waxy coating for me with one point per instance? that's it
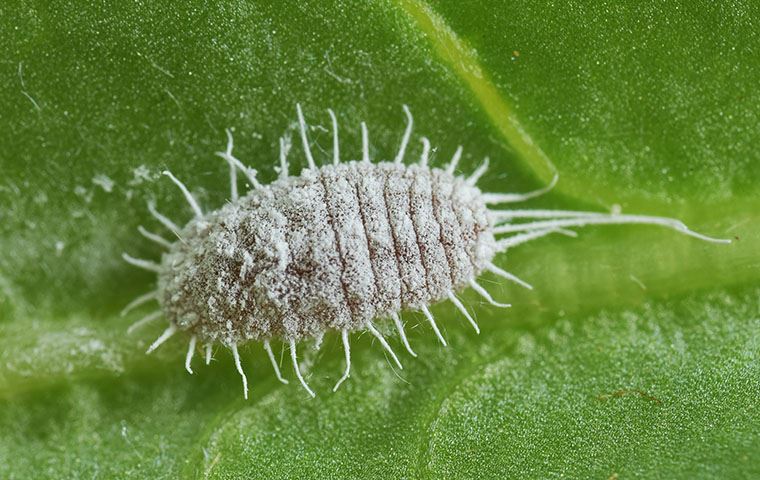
(339, 246)
(331, 249)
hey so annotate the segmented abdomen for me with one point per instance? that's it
(332, 248)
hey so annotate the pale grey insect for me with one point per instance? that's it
(338, 247)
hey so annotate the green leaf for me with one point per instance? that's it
(635, 355)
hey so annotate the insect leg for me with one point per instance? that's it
(161, 218)
(454, 161)
(484, 293)
(153, 237)
(190, 353)
(270, 354)
(518, 197)
(506, 243)
(144, 321)
(433, 324)
(139, 301)
(464, 311)
(365, 143)
(336, 144)
(284, 147)
(140, 263)
(239, 367)
(235, 164)
(347, 352)
(425, 157)
(384, 343)
(478, 173)
(306, 147)
(294, 359)
(164, 337)
(407, 135)
(188, 196)
(402, 334)
(233, 171)
(509, 276)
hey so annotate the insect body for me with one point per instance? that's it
(338, 247)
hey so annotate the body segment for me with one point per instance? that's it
(332, 249)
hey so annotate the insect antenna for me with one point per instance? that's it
(605, 219)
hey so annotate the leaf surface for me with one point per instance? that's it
(635, 355)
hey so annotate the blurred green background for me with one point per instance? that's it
(635, 355)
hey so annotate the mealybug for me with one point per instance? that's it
(338, 247)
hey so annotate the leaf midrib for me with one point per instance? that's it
(461, 60)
